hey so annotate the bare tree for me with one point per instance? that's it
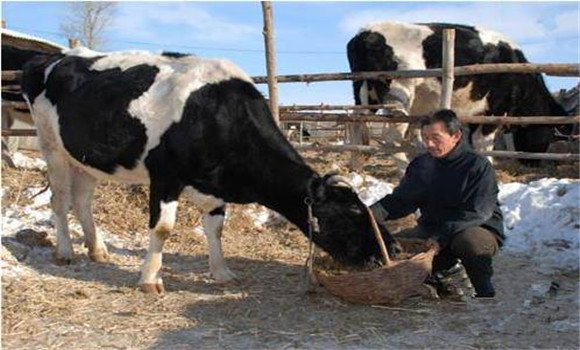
(87, 21)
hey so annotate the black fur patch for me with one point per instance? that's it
(368, 52)
(92, 106)
(175, 54)
(218, 211)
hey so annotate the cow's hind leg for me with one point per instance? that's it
(163, 200)
(213, 223)
(83, 186)
(59, 174)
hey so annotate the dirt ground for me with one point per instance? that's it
(88, 305)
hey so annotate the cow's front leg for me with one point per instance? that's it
(213, 223)
(162, 210)
(483, 139)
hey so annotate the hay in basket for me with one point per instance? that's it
(390, 284)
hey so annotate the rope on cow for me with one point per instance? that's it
(309, 264)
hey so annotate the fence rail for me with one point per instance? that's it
(342, 117)
(293, 114)
(378, 149)
(553, 69)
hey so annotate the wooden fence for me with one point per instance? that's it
(321, 113)
(324, 113)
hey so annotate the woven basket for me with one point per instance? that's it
(390, 284)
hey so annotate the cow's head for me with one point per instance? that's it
(369, 52)
(345, 228)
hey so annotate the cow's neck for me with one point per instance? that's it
(286, 191)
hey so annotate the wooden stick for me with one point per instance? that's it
(270, 58)
(11, 74)
(333, 107)
(553, 69)
(447, 69)
(19, 132)
(377, 232)
(15, 88)
(499, 154)
(15, 104)
(343, 117)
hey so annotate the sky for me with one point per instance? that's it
(310, 37)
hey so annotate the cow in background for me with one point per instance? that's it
(388, 46)
(184, 125)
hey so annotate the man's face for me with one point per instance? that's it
(437, 139)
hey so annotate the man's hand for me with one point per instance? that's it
(433, 244)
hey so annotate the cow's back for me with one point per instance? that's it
(109, 111)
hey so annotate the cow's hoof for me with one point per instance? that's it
(152, 288)
(226, 277)
(62, 260)
(100, 257)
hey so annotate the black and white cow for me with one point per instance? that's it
(186, 125)
(397, 46)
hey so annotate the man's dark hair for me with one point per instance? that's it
(445, 116)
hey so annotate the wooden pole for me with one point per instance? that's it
(3, 24)
(553, 69)
(270, 58)
(447, 68)
(333, 107)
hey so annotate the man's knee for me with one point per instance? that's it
(412, 233)
(474, 242)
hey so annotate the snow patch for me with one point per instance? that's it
(369, 189)
(542, 219)
(24, 162)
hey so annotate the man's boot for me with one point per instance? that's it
(480, 271)
(452, 283)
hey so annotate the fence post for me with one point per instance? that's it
(447, 68)
(73, 43)
(270, 58)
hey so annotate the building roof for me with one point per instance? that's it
(28, 42)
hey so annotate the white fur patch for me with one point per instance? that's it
(49, 69)
(490, 37)
(462, 103)
(481, 142)
(406, 40)
(364, 93)
(167, 216)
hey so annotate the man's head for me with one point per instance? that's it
(441, 132)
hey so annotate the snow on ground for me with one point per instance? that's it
(542, 219)
(38, 217)
(22, 161)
